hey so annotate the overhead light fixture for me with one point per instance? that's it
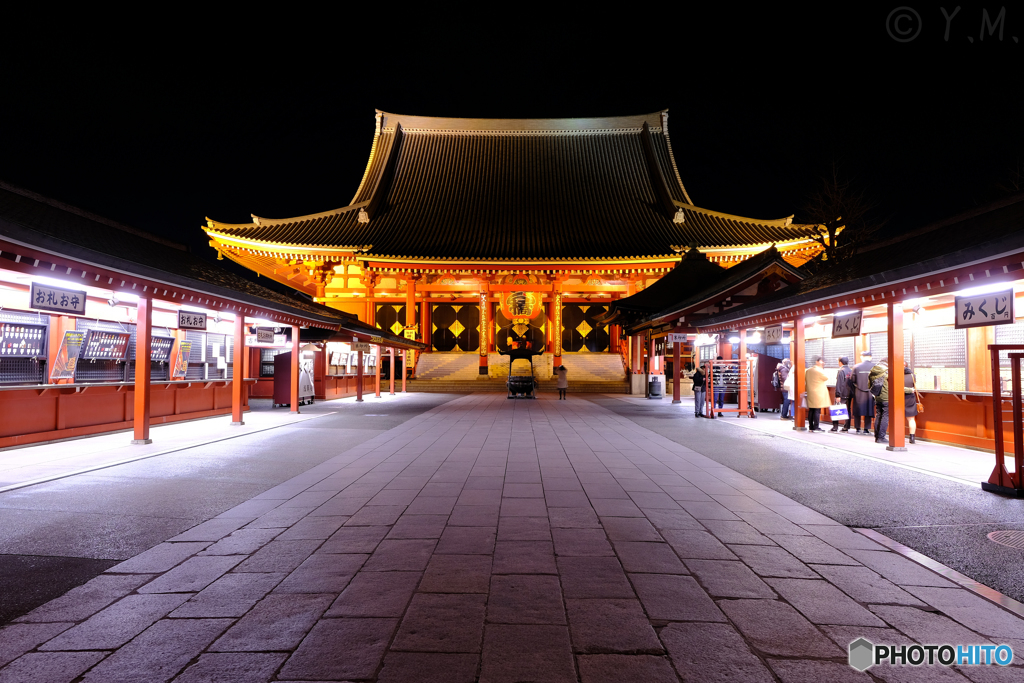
(113, 300)
(985, 289)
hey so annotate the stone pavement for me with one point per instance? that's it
(948, 462)
(495, 540)
(27, 465)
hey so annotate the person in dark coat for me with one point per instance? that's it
(844, 391)
(910, 400)
(863, 401)
(698, 392)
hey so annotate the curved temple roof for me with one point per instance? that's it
(518, 189)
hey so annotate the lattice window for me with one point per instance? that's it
(834, 349)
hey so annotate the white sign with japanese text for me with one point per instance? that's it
(264, 335)
(676, 338)
(57, 299)
(773, 334)
(847, 325)
(191, 320)
(995, 308)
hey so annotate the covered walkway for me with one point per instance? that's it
(495, 540)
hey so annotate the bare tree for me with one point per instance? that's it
(842, 216)
(1013, 182)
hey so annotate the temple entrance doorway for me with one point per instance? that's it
(455, 328)
(581, 332)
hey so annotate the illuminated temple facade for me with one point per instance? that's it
(474, 234)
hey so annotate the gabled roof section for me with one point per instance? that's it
(37, 222)
(517, 190)
(984, 233)
(696, 283)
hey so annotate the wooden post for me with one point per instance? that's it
(650, 363)
(410, 321)
(425, 323)
(143, 349)
(295, 369)
(238, 371)
(800, 381)
(744, 375)
(376, 380)
(391, 374)
(551, 324)
(637, 354)
(359, 379)
(894, 334)
(676, 374)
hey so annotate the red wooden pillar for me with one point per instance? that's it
(391, 374)
(676, 374)
(359, 379)
(894, 334)
(744, 380)
(637, 353)
(410, 322)
(238, 371)
(143, 348)
(376, 380)
(800, 381)
(295, 369)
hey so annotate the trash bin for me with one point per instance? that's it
(654, 387)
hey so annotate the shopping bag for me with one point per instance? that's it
(839, 412)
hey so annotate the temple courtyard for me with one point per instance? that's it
(460, 538)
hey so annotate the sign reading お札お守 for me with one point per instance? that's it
(191, 320)
(984, 309)
(57, 299)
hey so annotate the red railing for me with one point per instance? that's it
(1001, 480)
(624, 354)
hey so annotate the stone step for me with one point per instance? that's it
(489, 385)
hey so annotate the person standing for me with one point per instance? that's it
(879, 382)
(563, 382)
(698, 392)
(910, 400)
(843, 391)
(863, 403)
(817, 393)
(786, 385)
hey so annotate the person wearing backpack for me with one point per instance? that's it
(843, 391)
(785, 377)
(879, 382)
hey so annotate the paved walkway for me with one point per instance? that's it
(27, 465)
(499, 540)
(949, 462)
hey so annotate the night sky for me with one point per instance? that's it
(172, 119)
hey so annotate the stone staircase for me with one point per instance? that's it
(448, 367)
(594, 367)
(598, 373)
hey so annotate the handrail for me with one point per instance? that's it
(1001, 480)
(624, 355)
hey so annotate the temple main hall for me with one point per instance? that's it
(474, 235)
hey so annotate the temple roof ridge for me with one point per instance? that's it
(262, 221)
(483, 126)
(785, 221)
